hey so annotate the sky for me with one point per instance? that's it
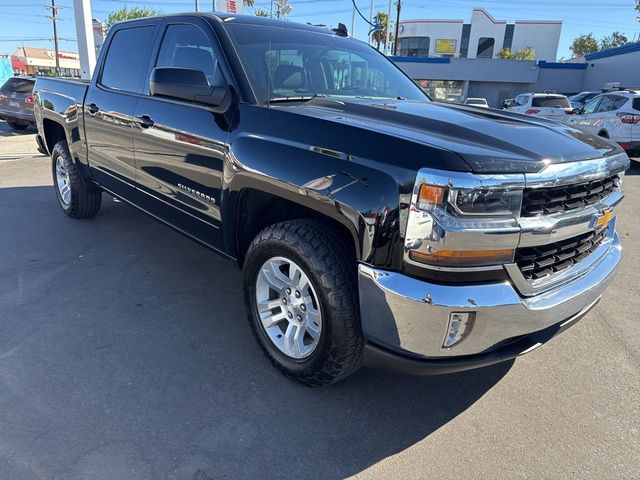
(26, 21)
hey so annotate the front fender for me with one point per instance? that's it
(364, 199)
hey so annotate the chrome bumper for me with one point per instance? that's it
(410, 316)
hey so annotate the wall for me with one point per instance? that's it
(620, 68)
(480, 69)
(544, 37)
(561, 80)
(484, 25)
(434, 29)
(495, 92)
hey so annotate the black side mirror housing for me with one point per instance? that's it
(191, 85)
(576, 111)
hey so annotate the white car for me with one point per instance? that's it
(548, 105)
(477, 102)
(614, 115)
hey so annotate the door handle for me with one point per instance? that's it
(145, 121)
(93, 109)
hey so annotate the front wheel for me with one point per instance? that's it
(76, 198)
(301, 295)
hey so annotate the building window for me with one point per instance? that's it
(464, 43)
(414, 46)
(508, 36)
(450, 91)
(485, 47)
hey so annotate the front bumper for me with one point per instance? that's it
(407, 318)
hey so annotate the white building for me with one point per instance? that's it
(483, 37)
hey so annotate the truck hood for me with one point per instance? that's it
(489, 141)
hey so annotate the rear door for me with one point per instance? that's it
(110, 105)
(180, 146)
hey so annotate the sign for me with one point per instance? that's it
(229, 6)
(444, 45)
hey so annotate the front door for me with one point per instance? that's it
(180, 147)
(110, 105)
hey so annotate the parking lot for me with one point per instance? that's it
(125, 354)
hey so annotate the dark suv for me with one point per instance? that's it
(16, 102)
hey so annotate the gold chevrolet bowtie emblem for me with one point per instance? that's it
(603, 219)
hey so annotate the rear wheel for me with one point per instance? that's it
(76, 198)
(301, 295)
(15, 125)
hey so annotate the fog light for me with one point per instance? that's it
(459, 327)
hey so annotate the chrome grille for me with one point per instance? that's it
(544, 201)
(538, 262)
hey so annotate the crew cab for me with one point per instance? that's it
(369, 222)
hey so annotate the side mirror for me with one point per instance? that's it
(576, 111)
(191, 85)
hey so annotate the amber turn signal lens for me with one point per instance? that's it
(464, 257)
(431, 194)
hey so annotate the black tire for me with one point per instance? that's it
(17, 125)
(84, 199)
(331, 267)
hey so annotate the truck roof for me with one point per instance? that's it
(241, 19)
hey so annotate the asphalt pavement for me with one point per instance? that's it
(125, 354)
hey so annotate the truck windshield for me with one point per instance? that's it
(289, 64)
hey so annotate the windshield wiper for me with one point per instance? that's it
(296, 98)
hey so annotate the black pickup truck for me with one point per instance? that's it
(368, 221)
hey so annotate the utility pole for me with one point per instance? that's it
(395, 38)
(197, 5)
(84, 34)
(54, 17)
(387, 30)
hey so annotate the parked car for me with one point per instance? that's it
(580, 99)
(613, 115)
(16, 102)
(367, 220)
(547, 105)
(477, 102)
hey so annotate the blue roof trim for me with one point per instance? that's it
(612, 52)
(420, 59)
(562, 66)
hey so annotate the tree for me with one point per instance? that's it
(638, 9)
(261, 12)
(380, 35)
(126, 13)
(616, 39)
(524, 54)
(583, 45)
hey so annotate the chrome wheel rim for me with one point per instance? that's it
(62, 181)
(288, 307)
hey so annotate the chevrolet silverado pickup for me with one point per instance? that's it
(369, 222)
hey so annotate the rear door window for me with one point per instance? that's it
(127, 59)
(607, 103)
(636, 103)
(551, 101)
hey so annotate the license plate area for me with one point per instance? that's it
(14, 104)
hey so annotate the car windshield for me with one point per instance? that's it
(551, 101)
(289, 63)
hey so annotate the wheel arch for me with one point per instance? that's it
(257, 209)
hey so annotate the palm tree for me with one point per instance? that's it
(380, 35)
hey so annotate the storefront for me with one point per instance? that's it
(42, 61)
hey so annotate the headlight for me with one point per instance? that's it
(471, 225)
